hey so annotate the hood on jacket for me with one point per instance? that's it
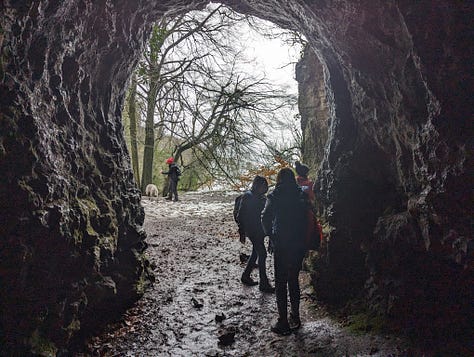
(301, 169)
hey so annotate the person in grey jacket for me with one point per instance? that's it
(250, 225)
(284, 219)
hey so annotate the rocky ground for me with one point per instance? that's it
(198, 307)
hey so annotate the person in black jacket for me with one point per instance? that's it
(284, 219)
(173, 177)
(250, 225)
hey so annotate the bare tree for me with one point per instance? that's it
(227, 121)
(196, 93)
(161, 68)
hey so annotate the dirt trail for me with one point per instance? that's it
(194, 249)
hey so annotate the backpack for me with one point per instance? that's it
(237, 201)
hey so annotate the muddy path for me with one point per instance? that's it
(194, 251)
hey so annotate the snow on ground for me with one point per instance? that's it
(194, 250)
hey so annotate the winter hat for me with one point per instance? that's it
(301, 169)
(170, 160)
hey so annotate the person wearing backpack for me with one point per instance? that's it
(248, 219)
(285, 221)
(173, 177)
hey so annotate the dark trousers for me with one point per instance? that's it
(287, 269)
(173, 190)
(258, 251)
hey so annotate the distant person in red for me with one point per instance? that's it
(303, 181)
(173, 176)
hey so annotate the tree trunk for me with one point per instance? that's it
(132, 114)
(148, 152)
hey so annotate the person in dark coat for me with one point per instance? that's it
(284, 219)
(173, 177)
(250, 225)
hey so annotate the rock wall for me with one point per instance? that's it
(313, 108)
(395, 176)
(394, 173)
(71, 236)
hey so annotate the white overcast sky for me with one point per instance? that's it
(273, 57)
(270, 56)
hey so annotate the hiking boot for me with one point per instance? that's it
(281, 328)
(168, 198)
(266, 288)
(295, 322)
(247, 280)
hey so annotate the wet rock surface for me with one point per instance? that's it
(194, 249)
(390, 158)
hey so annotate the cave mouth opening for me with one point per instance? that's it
(215, 90)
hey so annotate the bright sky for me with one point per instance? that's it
(273, 57)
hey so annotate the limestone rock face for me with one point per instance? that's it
(71, 236)
(392, 154)
(394, 178)
(313, 108)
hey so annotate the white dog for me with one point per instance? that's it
(151, 190)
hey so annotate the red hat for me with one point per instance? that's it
(170, 160)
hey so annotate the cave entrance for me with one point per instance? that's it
(215, 90)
